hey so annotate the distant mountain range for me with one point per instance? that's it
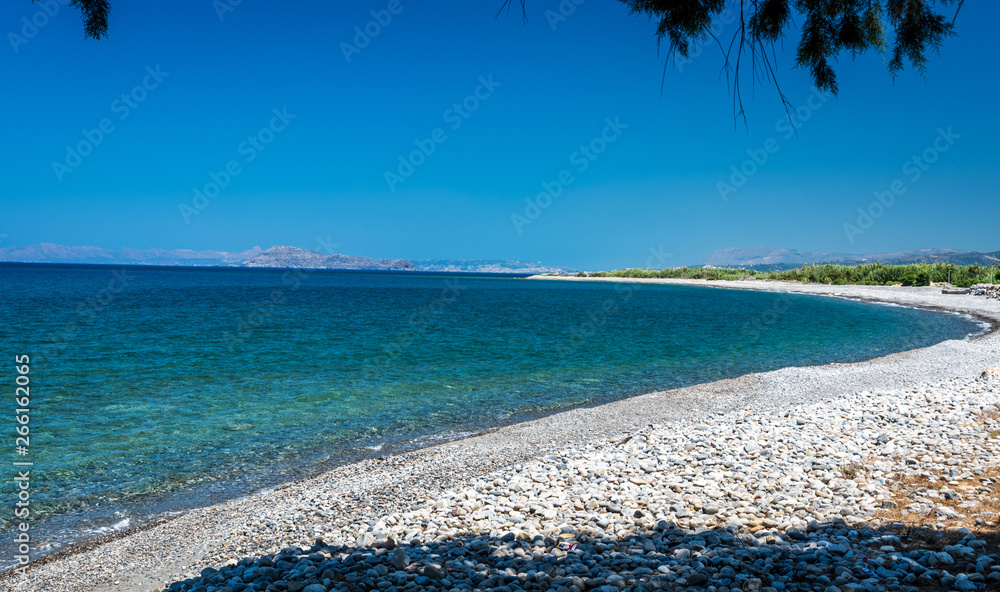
(760, 258)
(295, 257)
(275, 257)
(50, 253)
(781, 258)
(301, 258)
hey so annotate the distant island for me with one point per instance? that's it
(51, 253)
(274, 257)
(294, 257)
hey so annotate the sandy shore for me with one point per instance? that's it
(359, 495)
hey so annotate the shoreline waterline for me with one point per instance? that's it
(274, 418)
(774, 286)
(606, 419)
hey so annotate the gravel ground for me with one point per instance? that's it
(663, 490)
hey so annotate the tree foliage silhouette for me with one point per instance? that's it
(95, 16)
(828, 29)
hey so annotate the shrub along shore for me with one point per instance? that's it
(871, 274)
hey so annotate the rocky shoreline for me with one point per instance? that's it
(988, 290)
(870, 476)
(764, 502)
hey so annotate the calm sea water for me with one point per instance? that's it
(157, 389)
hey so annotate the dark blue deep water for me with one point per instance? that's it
(155, 388)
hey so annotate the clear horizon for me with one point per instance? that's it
(653, 258)
(199, 127)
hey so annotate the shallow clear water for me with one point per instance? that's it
(165, 388)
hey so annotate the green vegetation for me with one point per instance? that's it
(694, 273)
(872, 274)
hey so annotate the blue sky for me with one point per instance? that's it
(201, 95)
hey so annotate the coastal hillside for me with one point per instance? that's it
(782, 258)
(294, 257)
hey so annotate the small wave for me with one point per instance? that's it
(171, 514)
(103, 530)
(442, 437)
(983, 326)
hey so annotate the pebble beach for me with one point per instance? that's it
(879, 475)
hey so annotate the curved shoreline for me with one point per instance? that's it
(828, 290)
(142, 520)
(141, 523)
(501, 447)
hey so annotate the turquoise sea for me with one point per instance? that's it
(156, 389)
